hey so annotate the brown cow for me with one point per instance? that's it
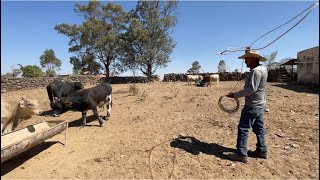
(12, 112)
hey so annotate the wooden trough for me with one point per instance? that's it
(21, 140)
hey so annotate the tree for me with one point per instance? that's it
(271, 62)
(49, 61)
(148, 43)
(15, 72)
(222, 66)
(31, 71)
(195, 69)
(51, 73)
(236, 70)
(87, 60)
(99, 34)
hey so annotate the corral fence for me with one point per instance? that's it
(9, 83)
(224, 76)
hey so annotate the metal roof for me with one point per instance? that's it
(290, 62)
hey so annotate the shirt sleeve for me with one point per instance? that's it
(253, 84)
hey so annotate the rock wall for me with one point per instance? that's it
(226, 76)
(11, 84)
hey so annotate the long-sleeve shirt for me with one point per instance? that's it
(254, 89)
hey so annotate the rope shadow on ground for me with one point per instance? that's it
(194, 146)
(20, 159)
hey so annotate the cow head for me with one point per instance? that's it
(57, 107)
(78, 86)
(29, 107)
(60, 106)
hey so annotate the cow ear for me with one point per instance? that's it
(56, 99)
(21, 103)
(23, 97)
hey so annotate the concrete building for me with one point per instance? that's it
(308, 66)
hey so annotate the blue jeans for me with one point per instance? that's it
(251, 117)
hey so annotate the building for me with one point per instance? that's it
(308, 66)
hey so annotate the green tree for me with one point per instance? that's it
(49, 61)
(148, 43)
(31, 71)
(98, 35)
(195, 69)
(222, 66)
(86, 60)
(51, 73)
(236, 70)
(271, 62)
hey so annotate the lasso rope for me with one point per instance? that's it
(222, 98)
(244, 48)
(228, 110)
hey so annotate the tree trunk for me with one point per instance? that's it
(106, 65)
(107, 72)
(149, 70)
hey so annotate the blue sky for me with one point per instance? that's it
(204, 28)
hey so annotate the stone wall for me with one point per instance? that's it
(226, 76)
(11, 84)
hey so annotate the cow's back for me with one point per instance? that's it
(98, 93)
(61, 89)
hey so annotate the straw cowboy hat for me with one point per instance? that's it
(252, 53)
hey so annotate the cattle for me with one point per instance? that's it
(13, 112)
(58, 89)
(191, 78)
(86, 99)
(211, 78)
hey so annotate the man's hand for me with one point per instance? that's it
(231, 95)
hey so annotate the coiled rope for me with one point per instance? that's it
(223, 98)
(228, 110)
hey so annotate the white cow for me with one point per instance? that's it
(194, 78)
(13, 112)
(213, 78)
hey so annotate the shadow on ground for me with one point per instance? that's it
(18, 160)
(194, 146)
(299, 88)
(90, 119)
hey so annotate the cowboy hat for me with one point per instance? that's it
(252, 53)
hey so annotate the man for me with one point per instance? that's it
(201, 82)
(252, 113)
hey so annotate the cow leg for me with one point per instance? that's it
(109, 106)
(8, 128)
(84, 118)
(95, 112)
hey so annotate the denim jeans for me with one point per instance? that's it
(251, 117)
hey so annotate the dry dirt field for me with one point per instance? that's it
(141, 138)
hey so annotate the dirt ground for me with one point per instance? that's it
(138, 140)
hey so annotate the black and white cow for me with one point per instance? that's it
(86, 99)
(58, 89)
